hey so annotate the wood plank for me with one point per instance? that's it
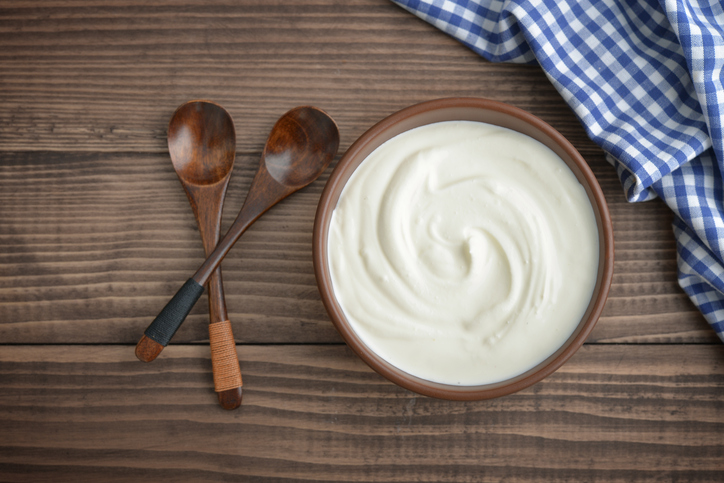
(96, 234)
(92, 245)
(78, 255)
(103, 76)
(612, 413)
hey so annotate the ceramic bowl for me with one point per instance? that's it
(465, 109)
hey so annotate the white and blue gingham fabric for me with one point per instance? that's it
(646, 80)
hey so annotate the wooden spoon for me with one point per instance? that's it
(301, 145)
(202, 144)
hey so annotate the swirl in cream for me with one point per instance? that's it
(463, 253)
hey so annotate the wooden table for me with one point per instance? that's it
(96, 233)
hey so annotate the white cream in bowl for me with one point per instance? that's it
(463, 253)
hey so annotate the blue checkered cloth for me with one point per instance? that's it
(646, 80)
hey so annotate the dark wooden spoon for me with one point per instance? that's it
(301, 145)
(202, 144)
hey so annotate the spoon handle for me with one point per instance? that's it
(225, 362)
(167, 322)
(264, 193)
(224, 359)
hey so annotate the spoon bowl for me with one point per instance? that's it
(294, 154)
(300, 147)
(202, 143)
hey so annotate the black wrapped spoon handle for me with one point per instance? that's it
(164, 326)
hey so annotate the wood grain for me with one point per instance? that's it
(82, 91)
(96, 235)
(93, 245)
(613, 413)
(66, 123)
(89, 76)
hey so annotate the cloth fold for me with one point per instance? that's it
(646, 80)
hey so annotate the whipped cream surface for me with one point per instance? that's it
(463, 253)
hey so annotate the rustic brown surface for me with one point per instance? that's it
(613, 413)
(96, 234)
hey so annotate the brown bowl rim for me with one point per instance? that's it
(375, 136)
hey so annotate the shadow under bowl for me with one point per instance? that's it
(462, 109)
